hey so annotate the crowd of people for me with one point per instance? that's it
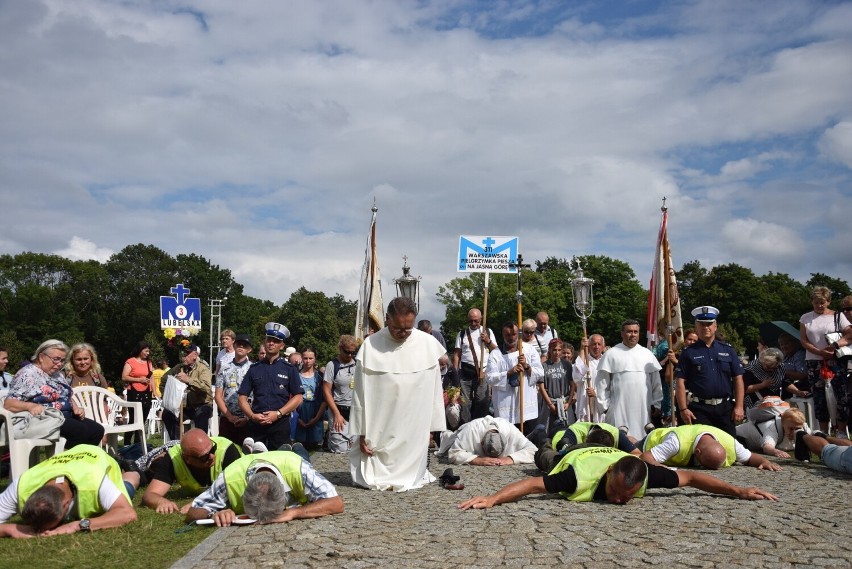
(596, 423)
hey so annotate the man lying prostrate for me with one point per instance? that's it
(699, 445)
(601, 473)
(270, 487)
(578, 433)
(79, 490)
(487, 441)
(597, 435)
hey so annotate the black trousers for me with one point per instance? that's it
(81, 432)
(718, 416)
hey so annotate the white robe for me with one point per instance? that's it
(396, 403)
(464, 445)
(504, 398)
(578, 372)
(629, 383)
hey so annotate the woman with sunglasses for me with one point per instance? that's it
(42, 384)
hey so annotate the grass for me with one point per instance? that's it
(149, 542)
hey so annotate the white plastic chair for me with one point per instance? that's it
(21, 455)
(92, 399)
(154, 420)
(806, 406)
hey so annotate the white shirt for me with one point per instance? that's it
(108, 493)
(671, 446)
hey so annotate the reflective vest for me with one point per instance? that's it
(581, 432)
(686, 436)
(288, 464)
(85, 466)
(182, 472)
(590, 465)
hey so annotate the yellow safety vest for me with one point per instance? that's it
(289, 465)
(184, 475)
(590, 465)
(686, 436)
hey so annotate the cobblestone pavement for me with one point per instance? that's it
(809, 527)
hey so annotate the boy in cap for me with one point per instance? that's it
(276, 389)
(711, 371)
(233, 423)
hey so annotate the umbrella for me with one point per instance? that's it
(770, 331)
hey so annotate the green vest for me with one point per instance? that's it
(590, 465)
(686, 436)
(85, 466)
(581, 432)
(182, 472)
(288, 464)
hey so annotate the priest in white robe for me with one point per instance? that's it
(396, 404)
(594, 345)
(501, 372)
(629, 382)
(489, 441)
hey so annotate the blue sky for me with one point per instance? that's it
(258, 134)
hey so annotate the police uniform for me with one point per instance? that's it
(709, 374)
(271, 384)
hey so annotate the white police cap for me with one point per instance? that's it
(705, 313)
(276, 330)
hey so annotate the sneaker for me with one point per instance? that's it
(649, 427)
(820, 434)
(624, 429)
(801, 450)
(258, 447)
(286, 446)
(300, 449)
(248, 444)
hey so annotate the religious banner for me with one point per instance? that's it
(487, 254)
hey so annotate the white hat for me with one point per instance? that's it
(289, 352)
(276, 330)
(705, 313)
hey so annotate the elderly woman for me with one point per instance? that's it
(819, 357)
(775, 436)
(764, 376)
(42, 384)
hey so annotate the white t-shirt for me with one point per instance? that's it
(817, 326)
(463, 345)
(671, 446)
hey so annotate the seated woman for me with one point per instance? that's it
(772, 437)
(764, 376)
(83, 367)
(42, 384)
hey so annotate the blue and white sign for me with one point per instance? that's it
(178, 311)
(478, 254)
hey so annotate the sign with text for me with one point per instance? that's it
(179, 311)
(479, 254)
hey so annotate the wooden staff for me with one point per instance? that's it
(669, 332)
(519, 265)
(481, 371)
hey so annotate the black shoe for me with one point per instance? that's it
(450, 481)
(820, 434)
(801, 451)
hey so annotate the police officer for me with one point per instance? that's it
(276, 389)
(711, 371)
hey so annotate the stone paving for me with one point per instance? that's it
(809, 527)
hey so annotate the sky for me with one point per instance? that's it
(259, 134)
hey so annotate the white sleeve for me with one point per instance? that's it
(743, 454)
(666, 449)
(9, 502)
(108, 493)
(536, 369)
(495, 375)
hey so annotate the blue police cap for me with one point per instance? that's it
(277, 331)
(705, 313)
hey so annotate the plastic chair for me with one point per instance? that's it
(104, 406)
(806, 406)
(21, 455)
(154, 421)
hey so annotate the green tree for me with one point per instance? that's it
(839, 288)
(312, 321)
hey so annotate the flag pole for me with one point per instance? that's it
(480, 372)
(667, 299)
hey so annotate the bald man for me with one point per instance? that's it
(699, 445)
(194, 463)
(470, 356)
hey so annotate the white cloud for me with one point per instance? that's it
(83, 250)
(836, 143)
(762, 242)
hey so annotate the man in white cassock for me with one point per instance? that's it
(629, 382)
(396, 404)
(503, 375)
(489, 441)
(594, 345)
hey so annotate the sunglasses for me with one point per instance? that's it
(206, 455)
(350, 353)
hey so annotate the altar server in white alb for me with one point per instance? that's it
(629, 382)
(396, 404)
(503, 375)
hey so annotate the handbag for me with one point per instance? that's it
(43, 426)
(173, 395)
(843, 352)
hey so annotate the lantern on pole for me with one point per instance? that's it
(584, 304)
(408, 285)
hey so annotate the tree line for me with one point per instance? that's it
(115, 304)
